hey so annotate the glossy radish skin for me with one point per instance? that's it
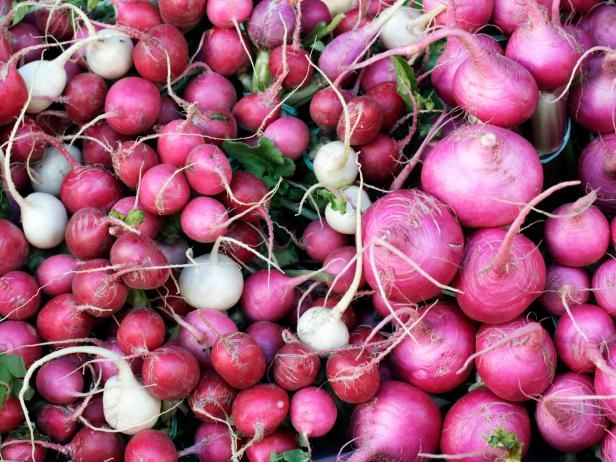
(101, 294)
(320, 240)
(605, 385)
(296, 366)
(392, 105)
(570, 425)
(60, 381)
(209, 169)
(62, 319)
(27, 145)
(212, 397)
(141, 331)
(278, 442)
(479, 415)
(608, 446)
(150, 446)
(22, 452)
(108, 368)
(376, 73)
(184, 14)
(238, 359)
(55, 274)
(339, 269)
(56, 422)
(256, 111)
(326, 107)
(223, 50)
(468, 15)
(366, 120)
(305, 420)
(150, 54)
(164, 190)
(133, 105)
(150, 225)
(298, 69)
(88, 445)
(353, 376)
(211, 91)
(268, 295)
(268, 336)
(13, 94)
(137, 253)
(443, 340)
(138, 15)
(11, 415)
(20, 338)
(260, 409)
(603, 284)
(510, 14)
(207, 326)
(223, 13)
(204, 219)
(247, 189)
(90, 187)
(574, 282)
(87, 234)
(216, 126)
(170, 373)
(85, 97)
(105, 140)
(436, 244)
(214, 442)
(20, 297)
(290, 135)
(271, 23)
(495, 168)
(131, 160)
(599, 22)
(14, 248)
(177, 139)
(597, 170)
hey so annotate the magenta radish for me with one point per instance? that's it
(17, 450)
(176, 141)
(341, 269)
(60, 381)
(480, 426)
(213, 442)
(164, 190)
(56, 23)
(107, 368)
(143, 265)
(366, 120)
(295, 366)
(20, 338)
(313, 412)
(498, 170)
(268, 336)
(100, 293)
(400, 419)
(353, 376)
(604, 286)
(256, 111)
(246, 191)
(583, 224)
(11, 415)
(89, 186)
(466, 14)
(150, 446)
(87, 234)
(100, 140)
(28, 145)
(85, 97)
(136, 14)
(224, 50)
(293, 63)
(433, 358)
(564, 285)
(225, 14)
(131, 160)
(208, 169)
(163, 48)
(354, 19)
(141, 331)
(202, 329)
(567, 414)
(608, 446)
(260, 410)
(605, 385)
(26, 35)
(130, 214)
(212, 398)
(380, 159)
(579, 338)
(436, 245)
(379, 72)
(599, 22)
(204, 219)
(238, 359)
(57, 422)
(13, 93)
(170, 373)
(326, 107)
(169, 111)
(290, 135)
(14, 248)
(271, 23)
(61, 319)
(20, 296)
(597, 170)
(54, 166)
(88, 445)
(211, 91)
(508, 15)
(132, 105)
(320, 240)
(278, 442)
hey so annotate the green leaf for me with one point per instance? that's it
(295, 455)
(321, 30)
(22, 11)
(5, 211)
(35, 258)
(4, 393)
(14, 364)
(406, 81)
(134, 218)
(113, 213)
(261, 77)
(286, 256)
(264, 160)
(338, 202)
(137, 297)
(504, 439)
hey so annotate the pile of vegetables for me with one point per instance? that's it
(296, 230)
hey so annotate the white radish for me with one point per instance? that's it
(333, 167)
(406, 26)
(321, 331)
(51, 170)
(338, 6)
(111, 56)
(345, 223)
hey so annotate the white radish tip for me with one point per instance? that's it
(318, 329)
(488, 140)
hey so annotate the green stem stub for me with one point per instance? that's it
(503, 439)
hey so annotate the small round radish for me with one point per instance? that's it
(87, 234)
(204, 219)
(313, 412)
(20, 296)
(22, 451)
(605, 385)
(257, 111)
(59, 381)
(380, 159)
(203, 328)
(62, 319)
(131, 160)
(28, 144)
(169, 111)
(313, 12)
(248, 236)
(345, 222)
(392, 106)
(100, 140)
(225, 13)
(326, 108)
(137, 254)
(26, 35)
(376, 73)
(268, 295)
(278, 442)
(90, 186)
(164, 190)
(142, 330)
(295, 366)
(132, 105)
(290, 135)
(597, 170)
(100, 292)
(177, 140)
(293, 62)
(111, 56)
(56, 23)
(353, 19)
(11, 415)
(212, 398)
(603, 284)
(238, 359)
(271, 23)
(13, 247)
(150, 446)
(56, 422)
(170, 373)
(53, 169)
(184, 14)
(164, 48)
(366, 120)
(106, 368)
(561, 281)
(20, 338)
(209, 169)
(260, 410)
(213, 442)
(138, 15)
(341, 270)
(224, 50)
(353, 376)
(268, 336)
(150, 225)
(335, 166)
(85, 97)
(211, 91)
(13, 94)
(320, 240)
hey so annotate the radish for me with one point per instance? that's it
(150, 446)
(111, 55)
(353, 376)
(567, 414)
(406, 26)
(59, 381)
(100, 140)
(278, 442)
(603, 283)
(136, 14)
(234, 59)
(345, 222)
(366, 120)
(164, 190)
(184, 14)
(128, 406)
(141, 331)
(259, 411)
(84, 97)
(132, 105)
(225, 14)
(465, 14)
(400, 419)
(498, 170)
(201, 330)
(320, 240)
(380, 159)
(290, 135)
(62, 319)
(20, 296)
(564, 285)
(248, 236)
(291, 66)
(238, 359)
(13, 247)
(326, 107)
(204, 219)
(28, 145)
(144, 265)
(89, 186)
(605, 386)
(56, 23)
(211, 91)
(57, 422)
(579, 338)
(480, 426)
(335, 165)
(87, 234)
(379, 72)
(100, 292)
(170, 373)
(169, 111)
(256, 111)
(341, 268)
(597, 170)
(13, 93)
(212, 397)
(213, 442)
(20, 338)
(313, 412)
(608, 447)
(13, 449)
(508, 15)
(11, 415)
(433, 358)
(598, 22)
(131, 160)
(271, 23)
(177, 140)
(208, 169)
(268, 336)
(149, 227)
(583, 224)
(53, 169)
(353, 19)
(163, 51)
(392, 106)
(295, 366)
(106, 368)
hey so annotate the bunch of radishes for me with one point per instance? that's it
(239, 231)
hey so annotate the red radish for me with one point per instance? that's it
(224, 50)
(603, 283)
(132, 105)
(386, 95)
(56, 23)
(400, 419)
(366, 119)
(20, 296)
(295, 366)
(339, 269)
(177, 140)
(90, 445)
(204, 219)
(163, 48)
(247, 190)
(184, 14)
(100, 140)
(353, 19)
(326, 107)
(527, 349)
(169, 111)
(290, 135)
(100, 293)
(509, 14)
(175, 253)
(13, 93)
(580, 337)
(353, 376)
(25, 35)
(598, 23)
(238, 359)
(209, 169)
(313, 412)
(55, 274)
(260, 410)
(87, 234)
(164, 190)
(11, 415)
(57, 422)
(213, 442)
(433, 359)
(379, 72)
(150, 446)
(257, 110)
(170, 373)
(567, 414)
(278, 442)
(150, 225)
(62, 319)
(212, 397)
(211, 91)
(28, 144)
(268, 336)
(59, 381)
(84, 97)
(597, 170)
(107, 368)
(141, 331)
(320, 240)
(246, 234)
(292, 65)
(313, 12)
(89, 186)
(225, 14)
(436, 245)
(480, 426)
(22, 451)
(203, 328)
(605, 385)
(137, 254)
(138, 14)
(271, 23)
(608, 446)
(20, 338)
(14, 248)
(572, 284)
(380, 159)
(131, 160)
